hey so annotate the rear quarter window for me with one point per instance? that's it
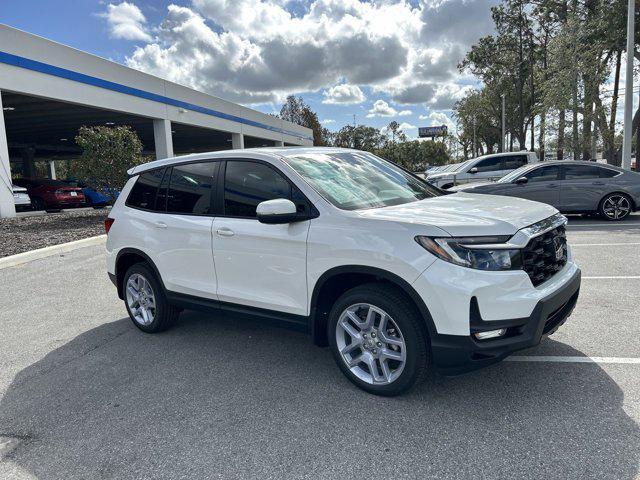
(143, 193)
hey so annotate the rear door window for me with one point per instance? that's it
(143, 193)
(581, 172)
(190, 188)
(514, 161)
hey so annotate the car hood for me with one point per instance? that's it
(435, 176)
(462, 214)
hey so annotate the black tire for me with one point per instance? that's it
(613, 196)
(165, 314)
(38, 204)
(405, 316)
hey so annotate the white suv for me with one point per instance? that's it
(481, 169)
(391, 273)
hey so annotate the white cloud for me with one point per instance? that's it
(328, 121)
(383, 109)
(344, 94)
(257, 51)
(404, 126)
(126, 21)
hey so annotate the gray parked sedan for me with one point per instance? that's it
(571, 187)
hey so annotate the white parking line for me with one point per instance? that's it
(601, 244)
(573, 359)
(611, 277)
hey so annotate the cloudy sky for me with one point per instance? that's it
(380, 60)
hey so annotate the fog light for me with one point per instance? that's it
(490, 334)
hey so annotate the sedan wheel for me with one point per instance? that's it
(370, 344)
(615, 206)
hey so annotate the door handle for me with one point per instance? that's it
(161, 225)
(225, 232)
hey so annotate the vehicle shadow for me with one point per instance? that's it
(223, 397)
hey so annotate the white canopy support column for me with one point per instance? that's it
(279, 143)
(7, 205)
(51, 166)
(162, 138)
(237, 141)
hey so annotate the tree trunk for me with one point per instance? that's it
(541, 139)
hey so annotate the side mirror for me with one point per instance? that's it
(522, 180)
(473, 170)
(276, 211)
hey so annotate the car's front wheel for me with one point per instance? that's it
(145, 300)
(378, 339)
(615, 207)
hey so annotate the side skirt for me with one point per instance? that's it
(299, 323)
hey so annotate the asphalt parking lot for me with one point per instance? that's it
(84, 394)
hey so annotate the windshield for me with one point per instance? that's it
(517, 173)
(358, 180)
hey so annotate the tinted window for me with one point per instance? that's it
(543, 174)
(247, 184)
(514, 161)
(190, 188)
(490, 164)
(143, 193)
(581, 172)
(607, 173)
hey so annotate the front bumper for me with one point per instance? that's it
(454, 354)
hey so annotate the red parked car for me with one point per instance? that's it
(51, 194)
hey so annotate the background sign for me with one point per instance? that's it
(432, 131)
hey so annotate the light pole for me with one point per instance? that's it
(503, 123)
(628, 88)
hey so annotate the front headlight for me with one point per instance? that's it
(461, 251)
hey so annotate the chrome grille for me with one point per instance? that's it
(545, 255)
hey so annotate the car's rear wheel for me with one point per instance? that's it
(378, 340)
(38, 204)
(145, 300)
(615, 207)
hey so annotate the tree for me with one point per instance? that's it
(295, 110)
(360, 137)
(107, 154)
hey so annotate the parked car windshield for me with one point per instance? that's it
(359, 180)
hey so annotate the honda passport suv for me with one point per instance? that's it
(394, 275)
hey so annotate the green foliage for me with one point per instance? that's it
(415, 155)
(295, 110)
(107, 154)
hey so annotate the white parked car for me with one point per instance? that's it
(395, 276)
(21, 198)
(481, 169)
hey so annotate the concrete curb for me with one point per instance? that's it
(25, 257)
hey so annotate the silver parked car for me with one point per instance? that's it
(571, 187)
(21, 198)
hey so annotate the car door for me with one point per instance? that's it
(581, 187)
(259, 265)
(184, 254)
(542, 185)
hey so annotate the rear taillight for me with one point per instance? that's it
(107, 224)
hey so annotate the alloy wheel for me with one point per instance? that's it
(616, 207)
(141, 299)
(370, 344)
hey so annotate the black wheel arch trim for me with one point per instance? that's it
(374, 271)
(147, 259)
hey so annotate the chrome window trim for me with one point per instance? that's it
(523, 236)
